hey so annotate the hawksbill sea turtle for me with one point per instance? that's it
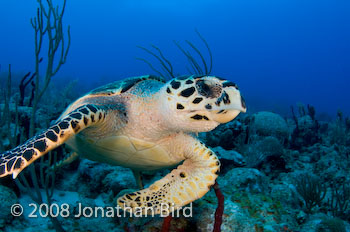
(143, 123)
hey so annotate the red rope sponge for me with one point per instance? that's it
(220, 209)
(166, 224)
(218, 212)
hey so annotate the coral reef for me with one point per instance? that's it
(263, 183)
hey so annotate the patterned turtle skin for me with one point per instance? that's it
(143, 123)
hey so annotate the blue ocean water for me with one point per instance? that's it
(279, 52)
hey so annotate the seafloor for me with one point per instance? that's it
(278, 174)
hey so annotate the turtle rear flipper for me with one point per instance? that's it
(15, 160)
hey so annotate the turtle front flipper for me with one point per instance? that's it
(15, 160)
(190, 181)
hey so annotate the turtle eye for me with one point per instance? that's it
(209, 90)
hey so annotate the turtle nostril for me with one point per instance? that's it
(208, 90)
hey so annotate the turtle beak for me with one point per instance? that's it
(225, 117)
(244, 106)
(231, 105)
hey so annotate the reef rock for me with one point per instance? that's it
(228, 136)
(265, 153)
(7, 199)
(229, 159)
(248, 179)
(269, 124)
(321, 222)
(94, 178)
(306, 133)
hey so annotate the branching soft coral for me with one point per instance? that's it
(312, 190)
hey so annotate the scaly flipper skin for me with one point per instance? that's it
(190, 181)
(15, 160)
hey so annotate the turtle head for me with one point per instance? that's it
(200, 103)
